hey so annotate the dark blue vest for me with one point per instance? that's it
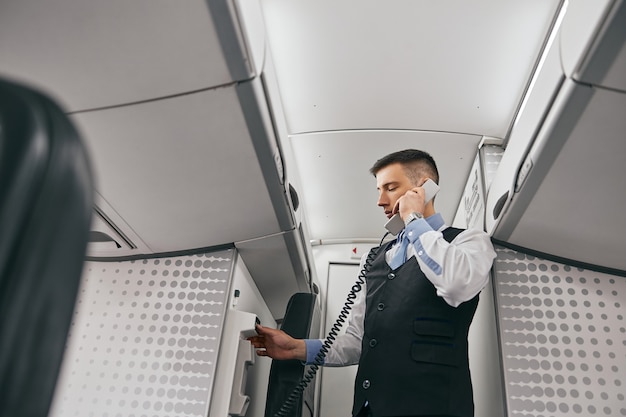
(414, 351)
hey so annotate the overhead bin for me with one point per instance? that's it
(188, 172)
(100, 54)
(546, 194)
(544, 84)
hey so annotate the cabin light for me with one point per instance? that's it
(544, 54)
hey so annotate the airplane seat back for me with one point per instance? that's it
(46, 201)
(302, 321)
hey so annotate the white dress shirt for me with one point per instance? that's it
(459, 270)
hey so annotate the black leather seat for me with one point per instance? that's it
(46, 201)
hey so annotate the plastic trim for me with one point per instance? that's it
(161, 254)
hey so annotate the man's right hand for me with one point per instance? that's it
(277, 344)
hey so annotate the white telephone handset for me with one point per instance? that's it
(396, 224)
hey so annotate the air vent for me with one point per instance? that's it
(105, 238)
(102, 239)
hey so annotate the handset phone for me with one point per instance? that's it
(395, 223)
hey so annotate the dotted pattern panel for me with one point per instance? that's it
(145, 338)
(563, 338)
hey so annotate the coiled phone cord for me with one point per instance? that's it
(332, 335)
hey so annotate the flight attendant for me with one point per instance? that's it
(408, 328)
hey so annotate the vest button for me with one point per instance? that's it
(366, 384)
(391, 276)
(373, 342)
(381, 307)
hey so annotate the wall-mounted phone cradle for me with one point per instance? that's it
(236, 355)
(396, 224)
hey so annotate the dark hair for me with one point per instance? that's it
(416, 164)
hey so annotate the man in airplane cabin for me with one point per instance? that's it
(408, 328)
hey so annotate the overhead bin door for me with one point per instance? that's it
(185, 172)
(571, 202)
(99, 54)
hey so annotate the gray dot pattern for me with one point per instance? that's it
(563, 338)
(145, 337)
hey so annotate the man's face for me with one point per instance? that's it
(391, 183)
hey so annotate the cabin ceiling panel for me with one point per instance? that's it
(92, 54)
(451, 66)
(182, 172)
(340, 194)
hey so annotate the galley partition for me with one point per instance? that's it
(562, 334)
(165, 336)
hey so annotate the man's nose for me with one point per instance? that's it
(381, 200)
